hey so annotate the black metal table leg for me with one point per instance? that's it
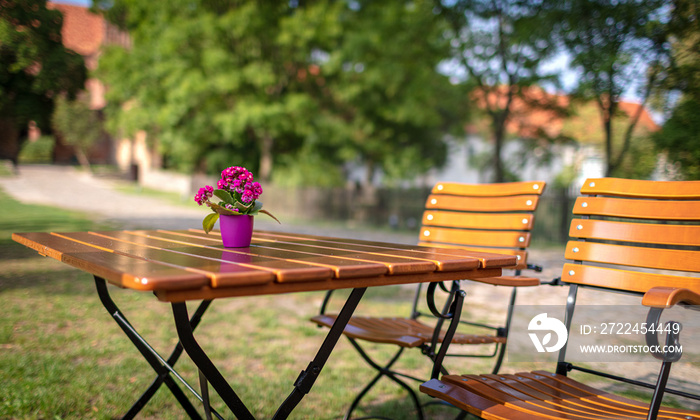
(303, 383)
(164, 368)
(307, 377)
(205, 365)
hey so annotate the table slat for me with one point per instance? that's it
(343, 267)
(117, 268)
(486, 259)
(185, 265)
(206, 259)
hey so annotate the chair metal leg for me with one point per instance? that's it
(164, 368)
(384, 371)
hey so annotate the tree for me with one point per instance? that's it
(272, 83)
(219, 82)
(617, 46)
(383, 82)
(499, 47)
(79, 126)
(680, 135)
(34, 68)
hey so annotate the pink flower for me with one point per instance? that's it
(204, 194)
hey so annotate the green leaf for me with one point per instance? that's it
(242, 207)
(209, 222)
(270, 214)
(222, 210)
(256, 208)
(224, 195)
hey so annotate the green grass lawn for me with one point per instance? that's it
(63, 357)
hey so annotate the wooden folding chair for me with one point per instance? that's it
(637, 237)
(493, 218)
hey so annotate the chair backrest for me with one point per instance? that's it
(485, 217)
(628, 234)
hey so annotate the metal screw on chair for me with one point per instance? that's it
(579, 227)
(433, 201)
(528, 202)
(584, 204)
(439, 187)
(521, 239)
(575, 250)
(429, 217)
(572, 272)
(524, 221)
(592, 184)
(535, 187)
(426, 233)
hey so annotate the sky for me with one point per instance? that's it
(84, 3)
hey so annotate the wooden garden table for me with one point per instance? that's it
(178, 266)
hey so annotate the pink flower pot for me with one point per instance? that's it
(236, 231)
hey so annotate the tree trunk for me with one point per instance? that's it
(498, 135)
(266, 157)
(9, 140)
(83, 160)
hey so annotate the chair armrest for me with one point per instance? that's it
(666, 297)
(510, 281)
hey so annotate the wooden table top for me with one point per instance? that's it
(184, 265)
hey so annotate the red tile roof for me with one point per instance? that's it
(526, 121)
(83, 31)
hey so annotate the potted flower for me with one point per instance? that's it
(239, 194)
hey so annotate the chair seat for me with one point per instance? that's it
(539, 394)
(404, 332)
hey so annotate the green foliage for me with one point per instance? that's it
(269, 84)
(79, 126)
(394, 107)
(34, 67)
(616, 47)
(680, 138)
(39, 151)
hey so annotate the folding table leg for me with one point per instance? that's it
(205, 365)
(162, 367)
(303, 383)
(307, 377)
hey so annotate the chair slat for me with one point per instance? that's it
(483, 204)
(632, 236)
(635, 232)
(478, 220)
(633, 281)
(619, 187)
(630, 208)
(475, 237)
(493, 190)
(656, 258)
